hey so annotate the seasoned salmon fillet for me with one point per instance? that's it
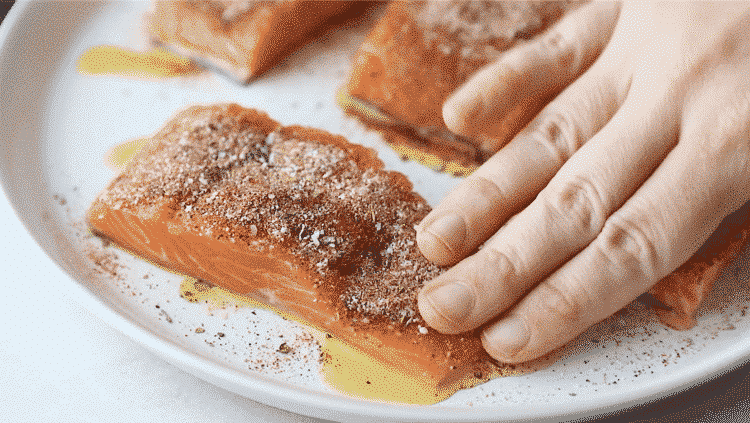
(296, 218)
(419, 52)
(245, 38)
(684, 290)
(314, 227)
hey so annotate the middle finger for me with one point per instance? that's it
(565, 217)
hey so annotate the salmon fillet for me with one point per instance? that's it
(296, 218)
(245, 37)
(420, 52)
(312, 226)
(684, 290)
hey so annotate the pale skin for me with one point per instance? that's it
(642, 151)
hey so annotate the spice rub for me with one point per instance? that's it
(313, 227)
(298, 219)
(419, 53)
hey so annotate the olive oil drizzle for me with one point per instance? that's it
(154, 63)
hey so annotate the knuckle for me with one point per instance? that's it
(496, 265)
(487, 190)
(626, 244)
(482, 199)
(561, 304)
(559, 134)
(730, 137)
(561, 50)
(577, 206)
(733, 123)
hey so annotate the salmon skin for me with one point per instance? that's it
(682, 292)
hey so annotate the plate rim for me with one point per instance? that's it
(320, 404)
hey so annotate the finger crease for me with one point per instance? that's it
(496, 195)
(561, 303)
(559, 137)
(628, 238)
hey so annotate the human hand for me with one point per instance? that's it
(613, 185)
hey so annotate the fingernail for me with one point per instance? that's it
(453, 301)
(449, 231)
(506, 338)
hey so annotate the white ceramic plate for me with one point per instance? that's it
(56, 125)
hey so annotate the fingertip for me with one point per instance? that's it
(480, 108)
(430, 315)
(507, 339)
(434, 249)
(442, 239)
(446, 306)
(456, 111)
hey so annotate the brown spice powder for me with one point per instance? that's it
(328, 204)
(482, 30)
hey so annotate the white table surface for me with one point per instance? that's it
(59, 363)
